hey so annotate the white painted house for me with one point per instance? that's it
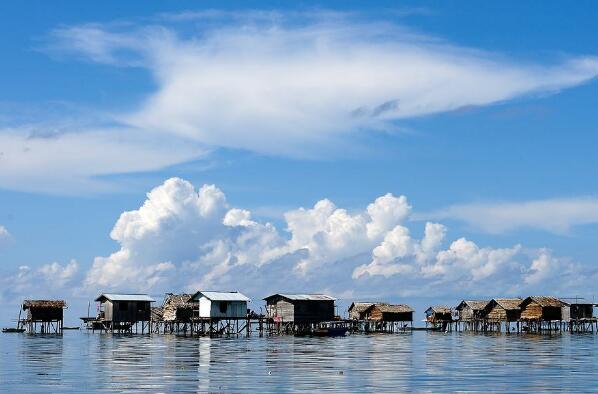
(221, 304)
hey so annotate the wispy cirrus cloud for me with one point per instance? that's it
(557, 215)
(268, 82)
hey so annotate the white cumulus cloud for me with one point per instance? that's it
(181, 238)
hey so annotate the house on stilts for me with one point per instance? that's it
(47, 316)
(298, 313)
(543, 313)
(439, 317)
(220, 312)
(124, 312)
(503, 313)
(471, 314)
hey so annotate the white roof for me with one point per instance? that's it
(125, 297)
(221, 296)
(304, 297)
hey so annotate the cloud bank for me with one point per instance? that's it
(183, 239)
(295, 85)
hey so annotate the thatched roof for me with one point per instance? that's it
(509, 304)
(157, 313)
(43, 304)
(178, 301)
(545, 301)
(360, 307)
(476, 305)
(440, 309)
(393, 308)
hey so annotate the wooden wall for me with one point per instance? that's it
(127, 311)
(45, 314)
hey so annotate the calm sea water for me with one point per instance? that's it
(418, 361)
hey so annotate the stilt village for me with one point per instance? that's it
(228, 313)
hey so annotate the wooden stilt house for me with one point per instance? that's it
(439, 316)
(471, 310)
(123, 312)
(503, 312)
(357, 310)
(45, 315)
(300, 308)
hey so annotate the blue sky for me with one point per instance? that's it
(482, 115)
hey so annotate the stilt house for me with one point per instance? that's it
(125, 308)
(503, 310)
(220, 305)
(579, 308)
(390, 312)
(439, 314)
(48, 314)
(469, 310)
(357, 310)
(177, 308)
(543, 309)
(300, 308)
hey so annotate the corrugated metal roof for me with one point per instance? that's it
(221, 296)
(125, 297)
(303, 297)
(577, 301)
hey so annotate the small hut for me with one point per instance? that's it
(439, 316)
(220, 305)
(122, 312)
(503, 310)
(357, 310)
(300, 308)
(542, 308)
(581, 314)
(470, 310)
(390, 312)
(47, 314)
(543, 313)
(177, 308)
(579, 308)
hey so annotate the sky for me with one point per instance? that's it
(420, 152)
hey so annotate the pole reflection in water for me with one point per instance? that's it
(417, 361)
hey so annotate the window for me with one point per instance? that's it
(223, 307)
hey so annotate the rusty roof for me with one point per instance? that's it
(393, 308)
(476, 305)
(43, 304)
(546, 301)
(508, 303)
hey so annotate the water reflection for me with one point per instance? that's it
(418, 361)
